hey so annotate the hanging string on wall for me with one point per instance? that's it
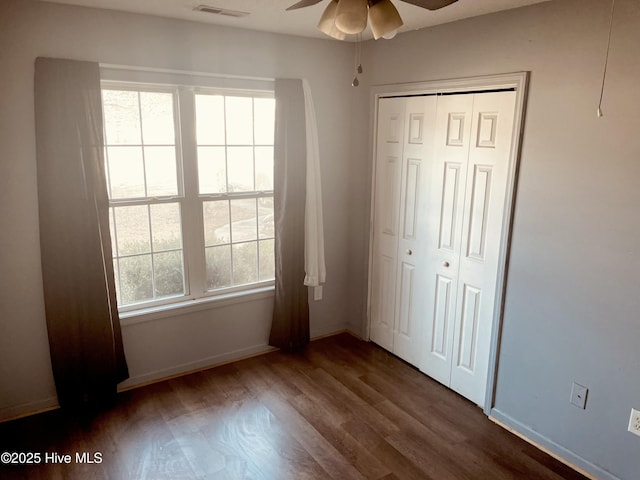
(606, 60)
(356, 60)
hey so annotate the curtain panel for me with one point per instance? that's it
(85, 339)
(315, 270)
(290, 325)
(299, 241)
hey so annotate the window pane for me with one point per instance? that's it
(160, 166)
(210, 120)
(157, 118)
(135, 279)
(126, 172)
(132, 230)
(264, 168)
(216, 222)
(234, 142)
(264, 110)
(212, 172)
(244, 224)
(166, 227)
(245, 263)
(267, 260)
(240, 165)
(239, 113)
(265, 217)
(169, 273)
(218, 267)
(121, 117)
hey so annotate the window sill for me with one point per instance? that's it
(190, 306)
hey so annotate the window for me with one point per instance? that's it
(190, 183)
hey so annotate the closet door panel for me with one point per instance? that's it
(443, 238)
(489, 153)
(417, 156)
(386, 219)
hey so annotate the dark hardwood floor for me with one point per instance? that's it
(346, 409)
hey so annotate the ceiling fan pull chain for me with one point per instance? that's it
(356, 62)
(606, 60)
(359, 45)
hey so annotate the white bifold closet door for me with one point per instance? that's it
(463, 234)
(441, 179)
(406, 127)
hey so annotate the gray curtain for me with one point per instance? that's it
(290, 326)
(79, 290)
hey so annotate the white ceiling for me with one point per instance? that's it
(270, 15)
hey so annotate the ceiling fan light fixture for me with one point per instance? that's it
(392, 34)
(327, 23)
(351, 16)
(384, 19)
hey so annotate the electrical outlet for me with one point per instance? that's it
(579, 395)
(634, 422)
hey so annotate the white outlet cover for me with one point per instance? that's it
(579, 395)
(634, 422)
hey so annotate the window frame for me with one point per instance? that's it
(190, 202)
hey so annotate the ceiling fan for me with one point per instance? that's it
(343, 17)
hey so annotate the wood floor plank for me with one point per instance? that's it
(333, 409)
(340, 392)
(319, 447)
(348, 376)
(344, 409)
(399, 464)
(348, 446)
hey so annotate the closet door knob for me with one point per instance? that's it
(409, 252)
(445, 264)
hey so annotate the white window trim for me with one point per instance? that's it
(185, 307)
(185, 86)
(173, 77)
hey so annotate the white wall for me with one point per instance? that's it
(572, 304)
(29, 29)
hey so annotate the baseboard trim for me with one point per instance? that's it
(550, 447)
(27, 409)
(327, 331)
(196, 366)
(206, 364)
(355, 335)
(47, 404)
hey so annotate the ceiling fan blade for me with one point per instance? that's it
(303, 3)
(430, 4)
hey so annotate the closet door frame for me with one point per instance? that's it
(517, 81)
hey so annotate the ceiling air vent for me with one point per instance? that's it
(220, 11)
